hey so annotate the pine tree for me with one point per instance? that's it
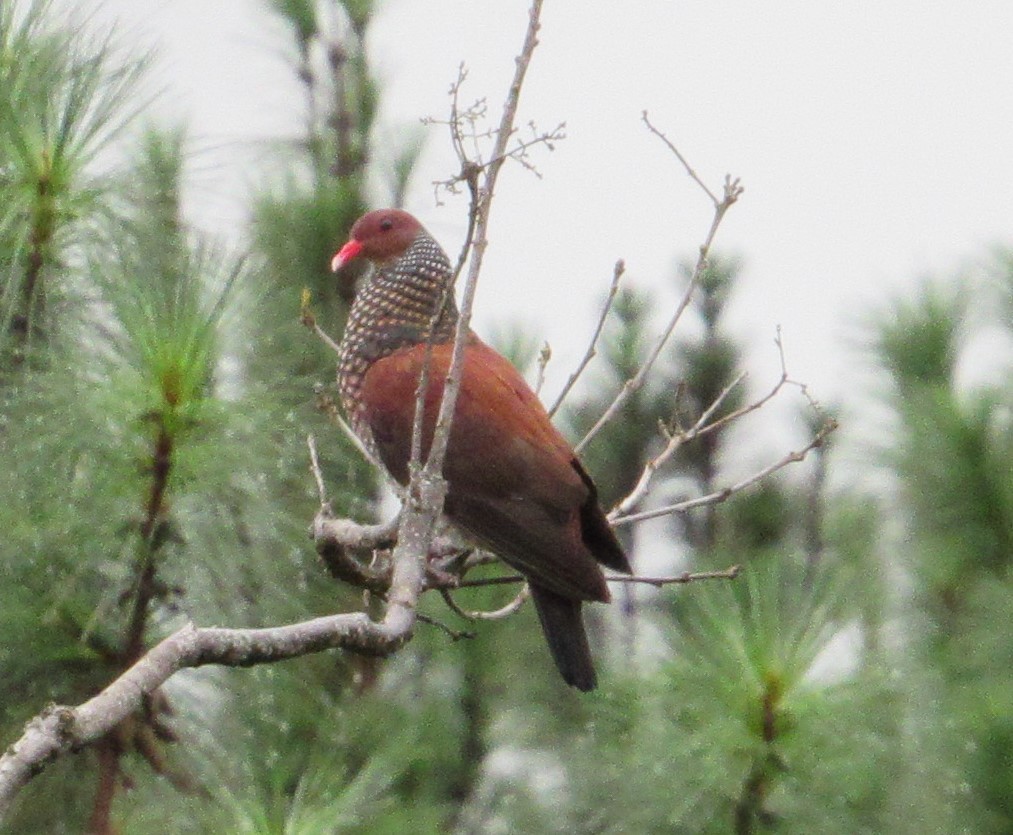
(953, 458)
(739, 731)
(154, 452)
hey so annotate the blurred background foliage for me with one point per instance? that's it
(156, 390)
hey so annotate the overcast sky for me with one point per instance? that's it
(873, 139)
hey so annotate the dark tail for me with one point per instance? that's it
(564, 632)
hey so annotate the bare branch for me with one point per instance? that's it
(60, 729)
(725, 493)
(592, 348)
(685, 577)
(318, 476)
(472, 114)
(481, 207)
(680, 157)
(729, 573)
(339, 540)
(307, 318)
(497, 614)
(519, 152)
(464, 129)
(675, 441)
(325, 403)
(703, 426)
(732, 192)
(502, 580)
(351, 535)
(453, 634)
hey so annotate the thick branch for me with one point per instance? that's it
(60, 729)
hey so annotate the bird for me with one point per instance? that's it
(515, 487)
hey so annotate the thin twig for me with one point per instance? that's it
(318, 476)
(675, 441)
(703, 426)
(685, 577)
(592, 347)
(309, 320)
(680, 157)
(454, 634)
(325, 403)
(519, 151)
(725, 493)
(729, 573)
(732, 193)
(482, 206)
(497, 614)
(707, 428)
(502, 580)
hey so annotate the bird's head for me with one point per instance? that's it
(379, 236)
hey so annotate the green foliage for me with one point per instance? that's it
(139, 470)
(297, 232)
(918, 341)
(741, 732)
(954, 460)
(301, 15)
(64, 97)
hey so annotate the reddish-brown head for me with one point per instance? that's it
(379, 236)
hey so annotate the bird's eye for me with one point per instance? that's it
(386, 224)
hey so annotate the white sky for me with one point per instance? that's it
(874, 140)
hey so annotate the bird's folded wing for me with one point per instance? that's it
(512, 480)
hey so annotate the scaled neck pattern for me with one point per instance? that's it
(394, 310)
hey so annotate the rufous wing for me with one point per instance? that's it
(514, 484)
